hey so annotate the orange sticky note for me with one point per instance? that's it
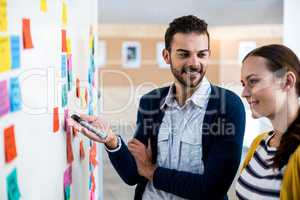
(81, 150)
(64, 41)
(3, 16)
(27, 40)
(55, 120)
(69, 48)
(93, 154)
(10, 144)
(86, 95)
(70, 156)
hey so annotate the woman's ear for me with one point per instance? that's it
(166, 56)
(289, 81)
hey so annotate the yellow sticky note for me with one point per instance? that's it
(64, 13)
(3, 16)
(69, 49)
(4, 53)
(44, 6)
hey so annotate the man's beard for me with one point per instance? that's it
(185, 71)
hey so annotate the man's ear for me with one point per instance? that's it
(289, 81)
(166, 55)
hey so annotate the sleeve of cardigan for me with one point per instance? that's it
(220, 168)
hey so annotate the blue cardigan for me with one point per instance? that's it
(223, 133)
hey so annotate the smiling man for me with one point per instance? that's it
(189, 136)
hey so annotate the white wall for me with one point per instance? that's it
(291, 28)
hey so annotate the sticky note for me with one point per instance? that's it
(70, 156)
(68, 176)
(15, 51)
(92, 195)
(3, 15)
(4, 53)
(27, 40)
(64, 95)
(67, 193)
(93, 154)
(66, 115)
(75, 132)
(15, 94)
(12, 187)
(10, 144)
(55, 119)
(69, 48)
(4, 98)
(63, 66)
(64, 13)
(81, 150)
(83, 98)
(77, 87)
(64, 41)
(43, 5)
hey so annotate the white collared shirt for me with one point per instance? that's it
(180, 137)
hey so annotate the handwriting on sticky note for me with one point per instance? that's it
(15, 94)
(55, 119)
(27, 39)
(15, 51)
(4, 98)
(4, 53)
(3, 15)
(10, 144)
(64, 40)
(12, 187)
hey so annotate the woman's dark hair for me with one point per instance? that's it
(280, 59)
(185, 24)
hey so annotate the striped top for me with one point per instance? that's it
(259, 180)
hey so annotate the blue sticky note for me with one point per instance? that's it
(15, 94)
(67, 193)
(63, 66)
(12, 187)
(15, 51)
(64, 95)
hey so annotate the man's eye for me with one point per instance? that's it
(183, 55)
(201, 55)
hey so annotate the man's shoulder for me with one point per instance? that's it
(156, 94)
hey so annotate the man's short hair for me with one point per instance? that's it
(185, 24)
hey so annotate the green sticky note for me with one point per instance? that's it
(12, 187)
(67, 193)
(64, 95)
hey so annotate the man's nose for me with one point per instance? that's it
(194, 60)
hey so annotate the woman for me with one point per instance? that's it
(271, 81)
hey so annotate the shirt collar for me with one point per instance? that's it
(199, 97)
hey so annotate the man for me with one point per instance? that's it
(189, 136)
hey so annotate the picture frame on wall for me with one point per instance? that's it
(159, 56)
(131, 54)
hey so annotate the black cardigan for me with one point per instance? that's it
(223, 132)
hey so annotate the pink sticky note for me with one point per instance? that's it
(68, 177)
(4, 98)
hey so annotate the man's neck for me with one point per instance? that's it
(182, 93)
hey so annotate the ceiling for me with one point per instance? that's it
(215, 12)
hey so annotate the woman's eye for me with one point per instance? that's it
(253, 81)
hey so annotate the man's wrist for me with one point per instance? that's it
(117, 146)
(112, 144)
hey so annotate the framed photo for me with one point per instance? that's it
(159, 58)
(131, 54)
